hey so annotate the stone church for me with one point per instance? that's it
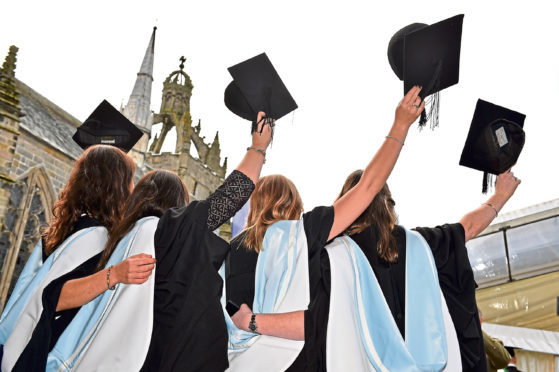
(37, 153)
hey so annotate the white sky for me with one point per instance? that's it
(332, 57)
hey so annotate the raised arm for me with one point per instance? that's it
(477, 220)
(251, 165)
(77, 292)
(239, 185)
(355, 201)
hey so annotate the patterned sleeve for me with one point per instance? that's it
(228, 198)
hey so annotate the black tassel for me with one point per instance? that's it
(423, 119)
(431, 112)
(484, 183)
(489, 180)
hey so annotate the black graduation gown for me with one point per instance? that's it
(240, 276)
(52, 324)
(189, 331)
(456, 279)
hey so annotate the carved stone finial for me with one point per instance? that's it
(182, 60)
(9, 95)
(9, 65)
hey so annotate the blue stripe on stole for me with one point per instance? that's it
(29, 280)
(274, 272)
(73, 341)
(425, 346)
(425, 331)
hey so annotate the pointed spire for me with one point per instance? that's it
(216, 140)
(9, 95)
(138, 107)
(147, 63)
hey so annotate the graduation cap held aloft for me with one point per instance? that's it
(107, 126)
(495, 140)
(427, 56)
(256, 86)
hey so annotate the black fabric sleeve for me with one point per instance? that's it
(51, 324)
(228, 198)
(318, 224)
(457, 283)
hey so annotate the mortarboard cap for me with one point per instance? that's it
(256, 86)
(427, 56)
(106, 125)
(494, 141)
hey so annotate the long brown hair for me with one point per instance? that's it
(275, 198)
(98, 186)
(156, 192)
(380, 214)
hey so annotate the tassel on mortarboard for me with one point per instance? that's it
(430, 112)
(488, 182)
(432, 103)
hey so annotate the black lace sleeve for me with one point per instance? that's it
(228, 198)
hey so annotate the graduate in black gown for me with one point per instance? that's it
(99, 184)
(384, 244)
(189, 331)
(276, 198)
(80, 206)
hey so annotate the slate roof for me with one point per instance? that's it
(47, 121)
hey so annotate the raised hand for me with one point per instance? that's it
(263, 135)
(409, 108)
(506, 184)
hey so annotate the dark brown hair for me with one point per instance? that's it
(156, 192)
(380, 214)
(98, 186)
(275, 198)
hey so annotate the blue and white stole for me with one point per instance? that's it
(362, 334)
(113, 331)
(281, 285)
(23, 310)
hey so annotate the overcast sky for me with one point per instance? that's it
(332, 57)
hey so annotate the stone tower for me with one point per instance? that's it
(137, 110)
(202, 174)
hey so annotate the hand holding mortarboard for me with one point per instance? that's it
(495, 140)
(506, 184)
(428, 56)
(256, 87)
(262, 136)
(409, 107)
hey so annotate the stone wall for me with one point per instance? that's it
(31, 152)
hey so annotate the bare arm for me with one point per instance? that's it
(134, 270)
(355, 201)
(284, 325)
(251, 165)
(477, 220)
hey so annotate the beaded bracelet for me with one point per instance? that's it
(263, 152)
(108, 281)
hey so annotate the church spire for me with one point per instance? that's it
(137, 110)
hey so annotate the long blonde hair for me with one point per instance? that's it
(275, 198)
(380, 213)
